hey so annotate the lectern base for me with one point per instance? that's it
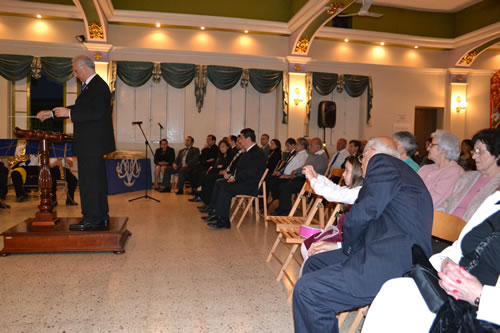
(24, 238)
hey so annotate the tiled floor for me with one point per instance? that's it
(177, 275)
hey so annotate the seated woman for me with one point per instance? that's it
(473, 187)
(353, 178)
(274, 156)
(440, 177)
(468, 271)
(164, 157)
(466, 161)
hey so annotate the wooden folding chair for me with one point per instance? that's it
(358, 317)
(447, 226)
(240, 199)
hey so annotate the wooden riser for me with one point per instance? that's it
(25, 239)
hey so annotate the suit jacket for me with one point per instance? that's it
(318, 161)
(250, 168)
(192, 157)
(91, 116)
(393, 211)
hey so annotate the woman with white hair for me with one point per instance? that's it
(440, 177)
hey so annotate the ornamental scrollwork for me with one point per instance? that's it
(95, 31)
(302, 45)
(128, 170)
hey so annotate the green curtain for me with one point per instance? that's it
(324, 83)
(224, 77)
(355, 85)
(15, 67)
(265, 81)
(134, 73)
(59, 69)
(178, 75)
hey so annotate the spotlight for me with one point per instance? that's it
(81, 38)
(202, 28)
(382, 43)
(415, 47)
(246, 31)
(158, 25)
(38, 16)
(346, 40)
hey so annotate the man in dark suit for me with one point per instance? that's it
(246, 179)
(207, 158)
(93, 138)
(186, 161)
(393, 211)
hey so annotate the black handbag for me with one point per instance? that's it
(426, 279)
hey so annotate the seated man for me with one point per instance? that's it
(207, 157)
(56, 165)
(393, 211)
(319, 161)
(186, 160)
(295, 160)
(245, 181)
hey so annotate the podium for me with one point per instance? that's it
(46, 232)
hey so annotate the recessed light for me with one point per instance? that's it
(382, 43)
(38, 16)
(416, 47)
(346, 40)
(158, 25)
(246, 31)
(202, 28)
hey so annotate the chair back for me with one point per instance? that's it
(447, 226)
(263, 177)
(336, 173)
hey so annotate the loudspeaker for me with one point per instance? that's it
(327, 114)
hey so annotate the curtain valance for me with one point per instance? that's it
(16, 67)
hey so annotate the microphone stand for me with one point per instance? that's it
(146, 145)
(161, 128)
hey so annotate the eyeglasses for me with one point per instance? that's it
(433, 144)
(478, 151)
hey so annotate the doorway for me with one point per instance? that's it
(427, 120)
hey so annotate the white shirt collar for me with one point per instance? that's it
(90, 78)
(251, 146)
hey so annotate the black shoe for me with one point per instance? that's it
(165, 189)
(22, 198)
(195, 199)
(179, 192)
(221, 224)
(70, 202)
(209, 218)
(85, 226)
(54, 203)
(203, 207)
(208, 211)
(3, 205)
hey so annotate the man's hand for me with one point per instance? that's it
(276, 173)
(321, 246)
(231, 180)
(61, 112)
(174, 165)
(184, 165)
(44, 115)
(284, 177)
(308, 170)
(226, 175)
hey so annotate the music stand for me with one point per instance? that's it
(146, 145)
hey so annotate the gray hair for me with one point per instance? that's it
(407, 141)
(448, 143)
(303, 142)
(383, 145)
(84, 60)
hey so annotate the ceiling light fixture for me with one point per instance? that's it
(346, 40)
(202, 28)
(81, 38)
(38, 16)
(382, 43)
(416, 47)
(246, 31)
(158, 25)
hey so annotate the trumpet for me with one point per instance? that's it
(18, 159)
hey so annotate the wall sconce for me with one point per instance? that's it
(297, 99)
(460, 105)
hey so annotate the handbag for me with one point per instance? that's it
(426, 279)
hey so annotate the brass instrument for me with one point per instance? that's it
(18, 159)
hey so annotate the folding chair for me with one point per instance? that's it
(358, 317)
(447, 226)
(241, 198)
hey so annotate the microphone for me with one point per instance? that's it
(161, 127)
(136, 122)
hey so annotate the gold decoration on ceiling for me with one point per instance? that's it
(302, 45)
(95, 31)
(297, 68)
(469, 57)
(98, 56)
(333, 7)
(459, 78)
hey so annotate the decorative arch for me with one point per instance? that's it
(472, 52)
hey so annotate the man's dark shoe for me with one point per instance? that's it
(210, 218)
(21, 198)
(203, 207)
(54, 203)
(221, 224)
(85, 226)
(70, 202)
(208, 211)
(165, 189)
(195, 199)
(3, 205)
(179, 192)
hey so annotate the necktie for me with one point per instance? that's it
(333, 162)
(288, 160)
(234, 159)
(83, 86)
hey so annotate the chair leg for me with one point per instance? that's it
(247, 208)
(357, 319)
(275, 245)
(287, 261)
(240, 201)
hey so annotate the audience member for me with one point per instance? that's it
(468, 271)
(186, 160)
(274, 156)
(354, 149)
(407, 146)
(393, 211)
(338, 158)
(207, 158)
(475, 186)
(440, 177)
(4, 174)
(294, 162)
(466, 161)
(264, 142)
(56, 166)
(318, 160)
(245, 181)
(164, 157)
(233, 140)
(425, 159)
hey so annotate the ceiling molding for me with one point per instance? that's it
(422, 7)
(363, 69)
(488, 32)
(106, 6)
(306, 13)
(171, 19)
(41, 49)
(32, 8)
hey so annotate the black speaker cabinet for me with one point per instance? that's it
(327, 114)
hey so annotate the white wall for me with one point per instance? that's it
(4, 108)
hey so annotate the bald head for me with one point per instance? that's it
(378, 145)
(315, 145)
